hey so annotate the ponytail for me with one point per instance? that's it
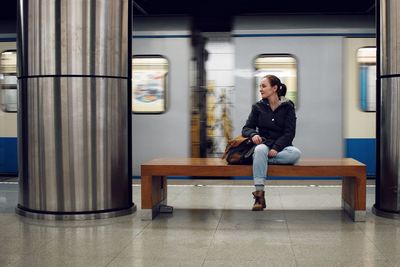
(282, 90)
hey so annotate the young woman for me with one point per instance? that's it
(271, 126)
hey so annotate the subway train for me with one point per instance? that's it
(327, 63)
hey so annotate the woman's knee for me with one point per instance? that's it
(294, 153)
(289, 155)
(261, 148)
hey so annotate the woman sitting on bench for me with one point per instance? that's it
(271, 126)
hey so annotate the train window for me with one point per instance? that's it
(8, 81)
(281, 65)
(149, 84)
(366, 59)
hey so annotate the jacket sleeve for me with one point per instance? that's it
(289, 131)
(250, 128)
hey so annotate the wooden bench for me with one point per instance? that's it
(154, 178)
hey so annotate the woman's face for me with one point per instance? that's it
(266, 89)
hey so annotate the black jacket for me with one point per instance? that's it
(277, 127)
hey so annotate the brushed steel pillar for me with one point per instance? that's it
(388, 180)
(74, 118)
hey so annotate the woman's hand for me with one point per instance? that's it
(272, 153)
(257, 139)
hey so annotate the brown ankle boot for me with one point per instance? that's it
(259, 203)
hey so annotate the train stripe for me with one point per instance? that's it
(161, 36)
(8, 156)
(363, 150)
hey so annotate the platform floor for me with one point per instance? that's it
(211, 226)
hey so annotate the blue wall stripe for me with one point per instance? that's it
(363, 150)
(8, 39)
(245, 35)
(161, 36)
(8, 156)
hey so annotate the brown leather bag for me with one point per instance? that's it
(239, 150)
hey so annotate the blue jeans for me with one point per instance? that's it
(289, 155)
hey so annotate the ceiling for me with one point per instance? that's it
(244, 7)
(214, 14)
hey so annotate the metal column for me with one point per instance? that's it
(74, 119)
(388, 116)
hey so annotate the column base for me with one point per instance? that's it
(385, 214)
(72, 216)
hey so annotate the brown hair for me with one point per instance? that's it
(273, 80)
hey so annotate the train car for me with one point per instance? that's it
(319, 58)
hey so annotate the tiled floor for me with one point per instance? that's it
(211, 226)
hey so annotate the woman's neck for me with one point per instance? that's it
(273, 100)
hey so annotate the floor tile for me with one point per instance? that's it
(333, 251)
(367, 262)
(241, 236)
(250, 250)
(164, 250)
(317, 262)
(250, 263)
(247, 219)
(154, 262)
(62, 261)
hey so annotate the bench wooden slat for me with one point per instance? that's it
(221, 162)
(215, 167)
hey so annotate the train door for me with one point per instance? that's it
(359, 100)
(8, 110)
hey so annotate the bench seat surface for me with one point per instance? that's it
(218, 167)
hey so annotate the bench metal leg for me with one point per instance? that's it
(154, 196)
(354, 196)
(355, 215)
(150, 214)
